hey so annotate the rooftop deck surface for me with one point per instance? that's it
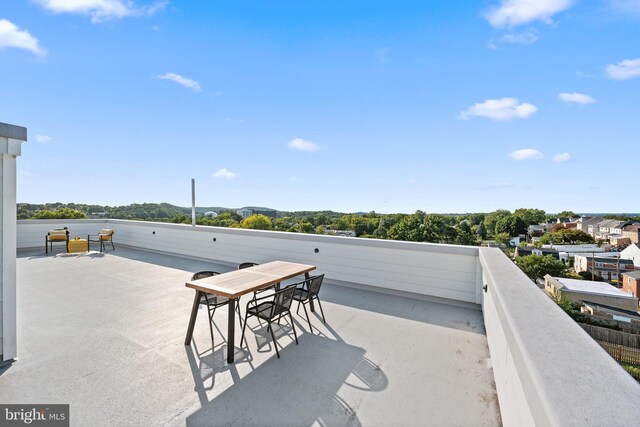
(105, 334)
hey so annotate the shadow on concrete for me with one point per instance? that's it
(300, 388)
(170, 261)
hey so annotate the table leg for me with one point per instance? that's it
(311, 306)
(231, 329)
(192, 319)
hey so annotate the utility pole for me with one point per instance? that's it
(193, 202)
(618, 272)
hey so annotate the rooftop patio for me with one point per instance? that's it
(105, 334)
(416, 333)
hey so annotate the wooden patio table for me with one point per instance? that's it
(236, 283)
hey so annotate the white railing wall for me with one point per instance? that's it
(442, 271)
(547, 370)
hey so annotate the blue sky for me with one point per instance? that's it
(344, 105)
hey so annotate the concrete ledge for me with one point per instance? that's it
(13, 131)
(544, 363)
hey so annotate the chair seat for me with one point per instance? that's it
(262, 310)
(301, 294)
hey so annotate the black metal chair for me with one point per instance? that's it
(212, 301)
(270, 310)
(306, 293)
(274, 287)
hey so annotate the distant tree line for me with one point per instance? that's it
(464, 229)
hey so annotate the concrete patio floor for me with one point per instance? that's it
(105, 334)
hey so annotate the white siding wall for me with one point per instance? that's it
(444, 271)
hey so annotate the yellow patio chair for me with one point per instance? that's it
(56, 235)
(105, 235)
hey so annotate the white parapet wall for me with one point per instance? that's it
(440, 271)
(548, 371)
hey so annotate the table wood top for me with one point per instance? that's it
(236, 283)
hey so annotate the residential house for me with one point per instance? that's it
(607, 227)
(531, 250)
(594, 292)
(632, 231)
(631, 283)
(619, 241)
(536, 230)
(628, 316)
(604, 267)
(632, 252)
(584, 222)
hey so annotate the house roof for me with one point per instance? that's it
(587, 287)
(612, 310)
(524, 251)
(635, 274)
(608, 259)
(610, 223)
(632, 227)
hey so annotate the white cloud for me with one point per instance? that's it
(576, 98)
(101, 10)
(623, 70)
(303, 145)
(528, 37)
(562, 157)
(43, 138)
(224, 173)
(500, 109)
(525, 154)
(511, 13)
(181, 80)
(12, 36)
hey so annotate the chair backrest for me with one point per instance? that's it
(202, 274)
(314, 284)
(282, 300)
(246, 265)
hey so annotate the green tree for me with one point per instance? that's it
(513, 225)
(536, 266)
(305, 227)
(464, 235)
(62, 213)
(257, 222)
(567, 214)
(570, 236)
(531, 216)
(481, 231)
(380, 232)
(503, 238)
(408, 229)
(491, 219)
